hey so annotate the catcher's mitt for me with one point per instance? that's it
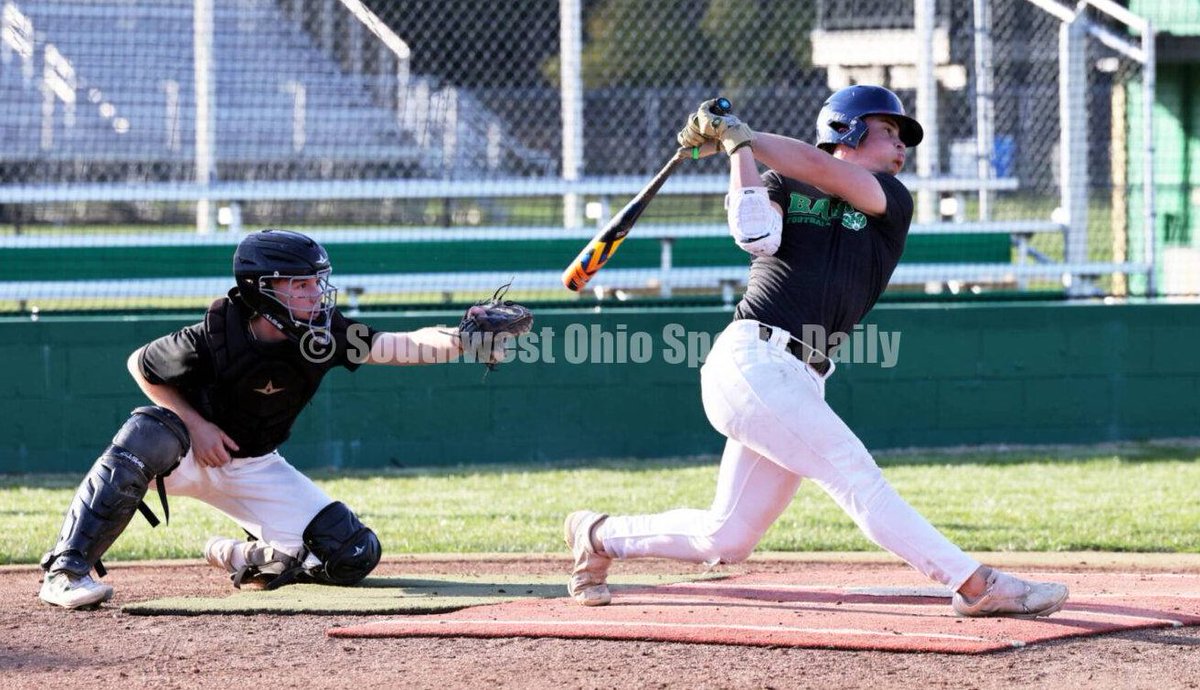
(497, 317)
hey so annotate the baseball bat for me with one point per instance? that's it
(601, 248)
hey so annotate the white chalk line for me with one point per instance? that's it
(854, 607)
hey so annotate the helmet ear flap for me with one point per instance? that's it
(840, 128)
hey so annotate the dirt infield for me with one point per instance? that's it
(46, 647)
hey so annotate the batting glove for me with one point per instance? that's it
(730, 131)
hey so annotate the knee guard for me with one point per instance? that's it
(156, 438)
(347, 549)
(149, 444)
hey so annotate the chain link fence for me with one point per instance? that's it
(424, 142)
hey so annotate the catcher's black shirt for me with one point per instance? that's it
(833, 260)
(252, 390)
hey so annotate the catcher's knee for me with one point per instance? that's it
(347, 549)
(155, 437)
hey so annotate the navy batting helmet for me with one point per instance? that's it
(841, 120)
(266, 266)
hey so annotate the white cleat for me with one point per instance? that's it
(1013, 597)
(218, 551)
(589, 576)
(235, 556)
(72, 591)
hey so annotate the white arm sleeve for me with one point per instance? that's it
(755, 225)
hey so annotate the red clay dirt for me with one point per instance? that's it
(790, 610)
(45, 647)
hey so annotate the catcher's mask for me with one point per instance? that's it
(842, 119)
(284, 277)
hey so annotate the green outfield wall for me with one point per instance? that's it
(962, 374)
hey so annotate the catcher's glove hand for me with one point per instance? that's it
(491, 323)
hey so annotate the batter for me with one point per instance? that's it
(826, 226)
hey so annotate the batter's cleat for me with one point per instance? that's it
(73, 591)
(588, 584)
(1012, 597)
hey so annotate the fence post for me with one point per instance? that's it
(1072, 107)
(1149, 86)
(206, 114)
(985, 102)
(571, 61)
(925, 14)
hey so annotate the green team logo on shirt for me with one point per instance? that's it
(823, 211)
(854, 220)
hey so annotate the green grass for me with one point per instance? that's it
(1127, 498)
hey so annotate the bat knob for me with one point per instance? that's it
(721, 107)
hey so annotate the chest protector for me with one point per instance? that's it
(260, 389)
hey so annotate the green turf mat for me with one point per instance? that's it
(415, 594)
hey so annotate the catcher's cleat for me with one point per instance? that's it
(246, 560)
(1012, 597)
(218, 551)
(588, 584)
(72, 591)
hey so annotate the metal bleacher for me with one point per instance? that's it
(139, 59)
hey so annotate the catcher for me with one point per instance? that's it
(225, 393)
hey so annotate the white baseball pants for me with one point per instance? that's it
(265, 495)
(772, 408)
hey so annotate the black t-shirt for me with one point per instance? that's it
(252, 390)
(833, 260)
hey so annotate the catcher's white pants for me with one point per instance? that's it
(772, 408)
(265, 495)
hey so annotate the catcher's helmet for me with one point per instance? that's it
(841, 120)
(263, 258)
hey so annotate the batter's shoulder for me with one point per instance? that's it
(892, 186)
(899, 211)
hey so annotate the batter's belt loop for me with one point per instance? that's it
(799, 349)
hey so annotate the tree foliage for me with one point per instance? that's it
(731, 43)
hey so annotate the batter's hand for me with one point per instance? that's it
(695, 145)
(708, 148)
(210, 445)
(690, 136)
(731, 132)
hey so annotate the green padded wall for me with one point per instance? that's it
(966, 374)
